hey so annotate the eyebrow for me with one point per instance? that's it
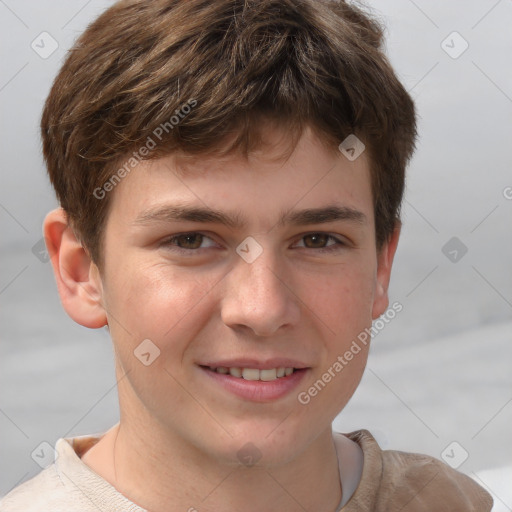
(236, 220)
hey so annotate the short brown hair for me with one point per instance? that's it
(316, 63)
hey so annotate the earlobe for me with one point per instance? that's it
(384, 264)
(78, 278)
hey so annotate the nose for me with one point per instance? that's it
(259, 296)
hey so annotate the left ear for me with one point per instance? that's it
(384, 263)
(78, 278)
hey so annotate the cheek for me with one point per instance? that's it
(342, 300)
(343, 304)
(159, 303)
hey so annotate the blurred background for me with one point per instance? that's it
(439, 378)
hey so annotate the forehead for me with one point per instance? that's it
(263, 184)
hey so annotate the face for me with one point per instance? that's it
(252, 266)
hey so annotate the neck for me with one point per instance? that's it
(166, 475)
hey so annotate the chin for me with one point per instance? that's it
(258, 446)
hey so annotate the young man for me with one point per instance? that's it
(230, 175)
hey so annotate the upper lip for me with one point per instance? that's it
(259, 364)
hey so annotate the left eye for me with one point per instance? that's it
(190, 241)
(319, 241)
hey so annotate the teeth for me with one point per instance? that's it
(254, 373)
(235, 372)
(251, 374)
(268, 374)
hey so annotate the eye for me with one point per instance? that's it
(189, 241)
(322, 241)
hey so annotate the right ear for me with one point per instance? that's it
(78, 278)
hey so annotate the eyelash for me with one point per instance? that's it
(169, 242)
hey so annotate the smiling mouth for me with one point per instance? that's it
(253, 373)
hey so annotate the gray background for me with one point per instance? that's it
(439, 372)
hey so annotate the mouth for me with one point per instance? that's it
(265, 375)
(253, 381)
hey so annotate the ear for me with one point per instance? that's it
(384, 264)
(78, 278)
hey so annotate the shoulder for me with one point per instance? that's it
(426, 480)
(46, 491)
(67, 485)
(417, 482)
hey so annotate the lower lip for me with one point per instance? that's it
(258, 390)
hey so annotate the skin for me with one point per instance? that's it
(295, 300)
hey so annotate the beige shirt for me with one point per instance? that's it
(390, 481)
